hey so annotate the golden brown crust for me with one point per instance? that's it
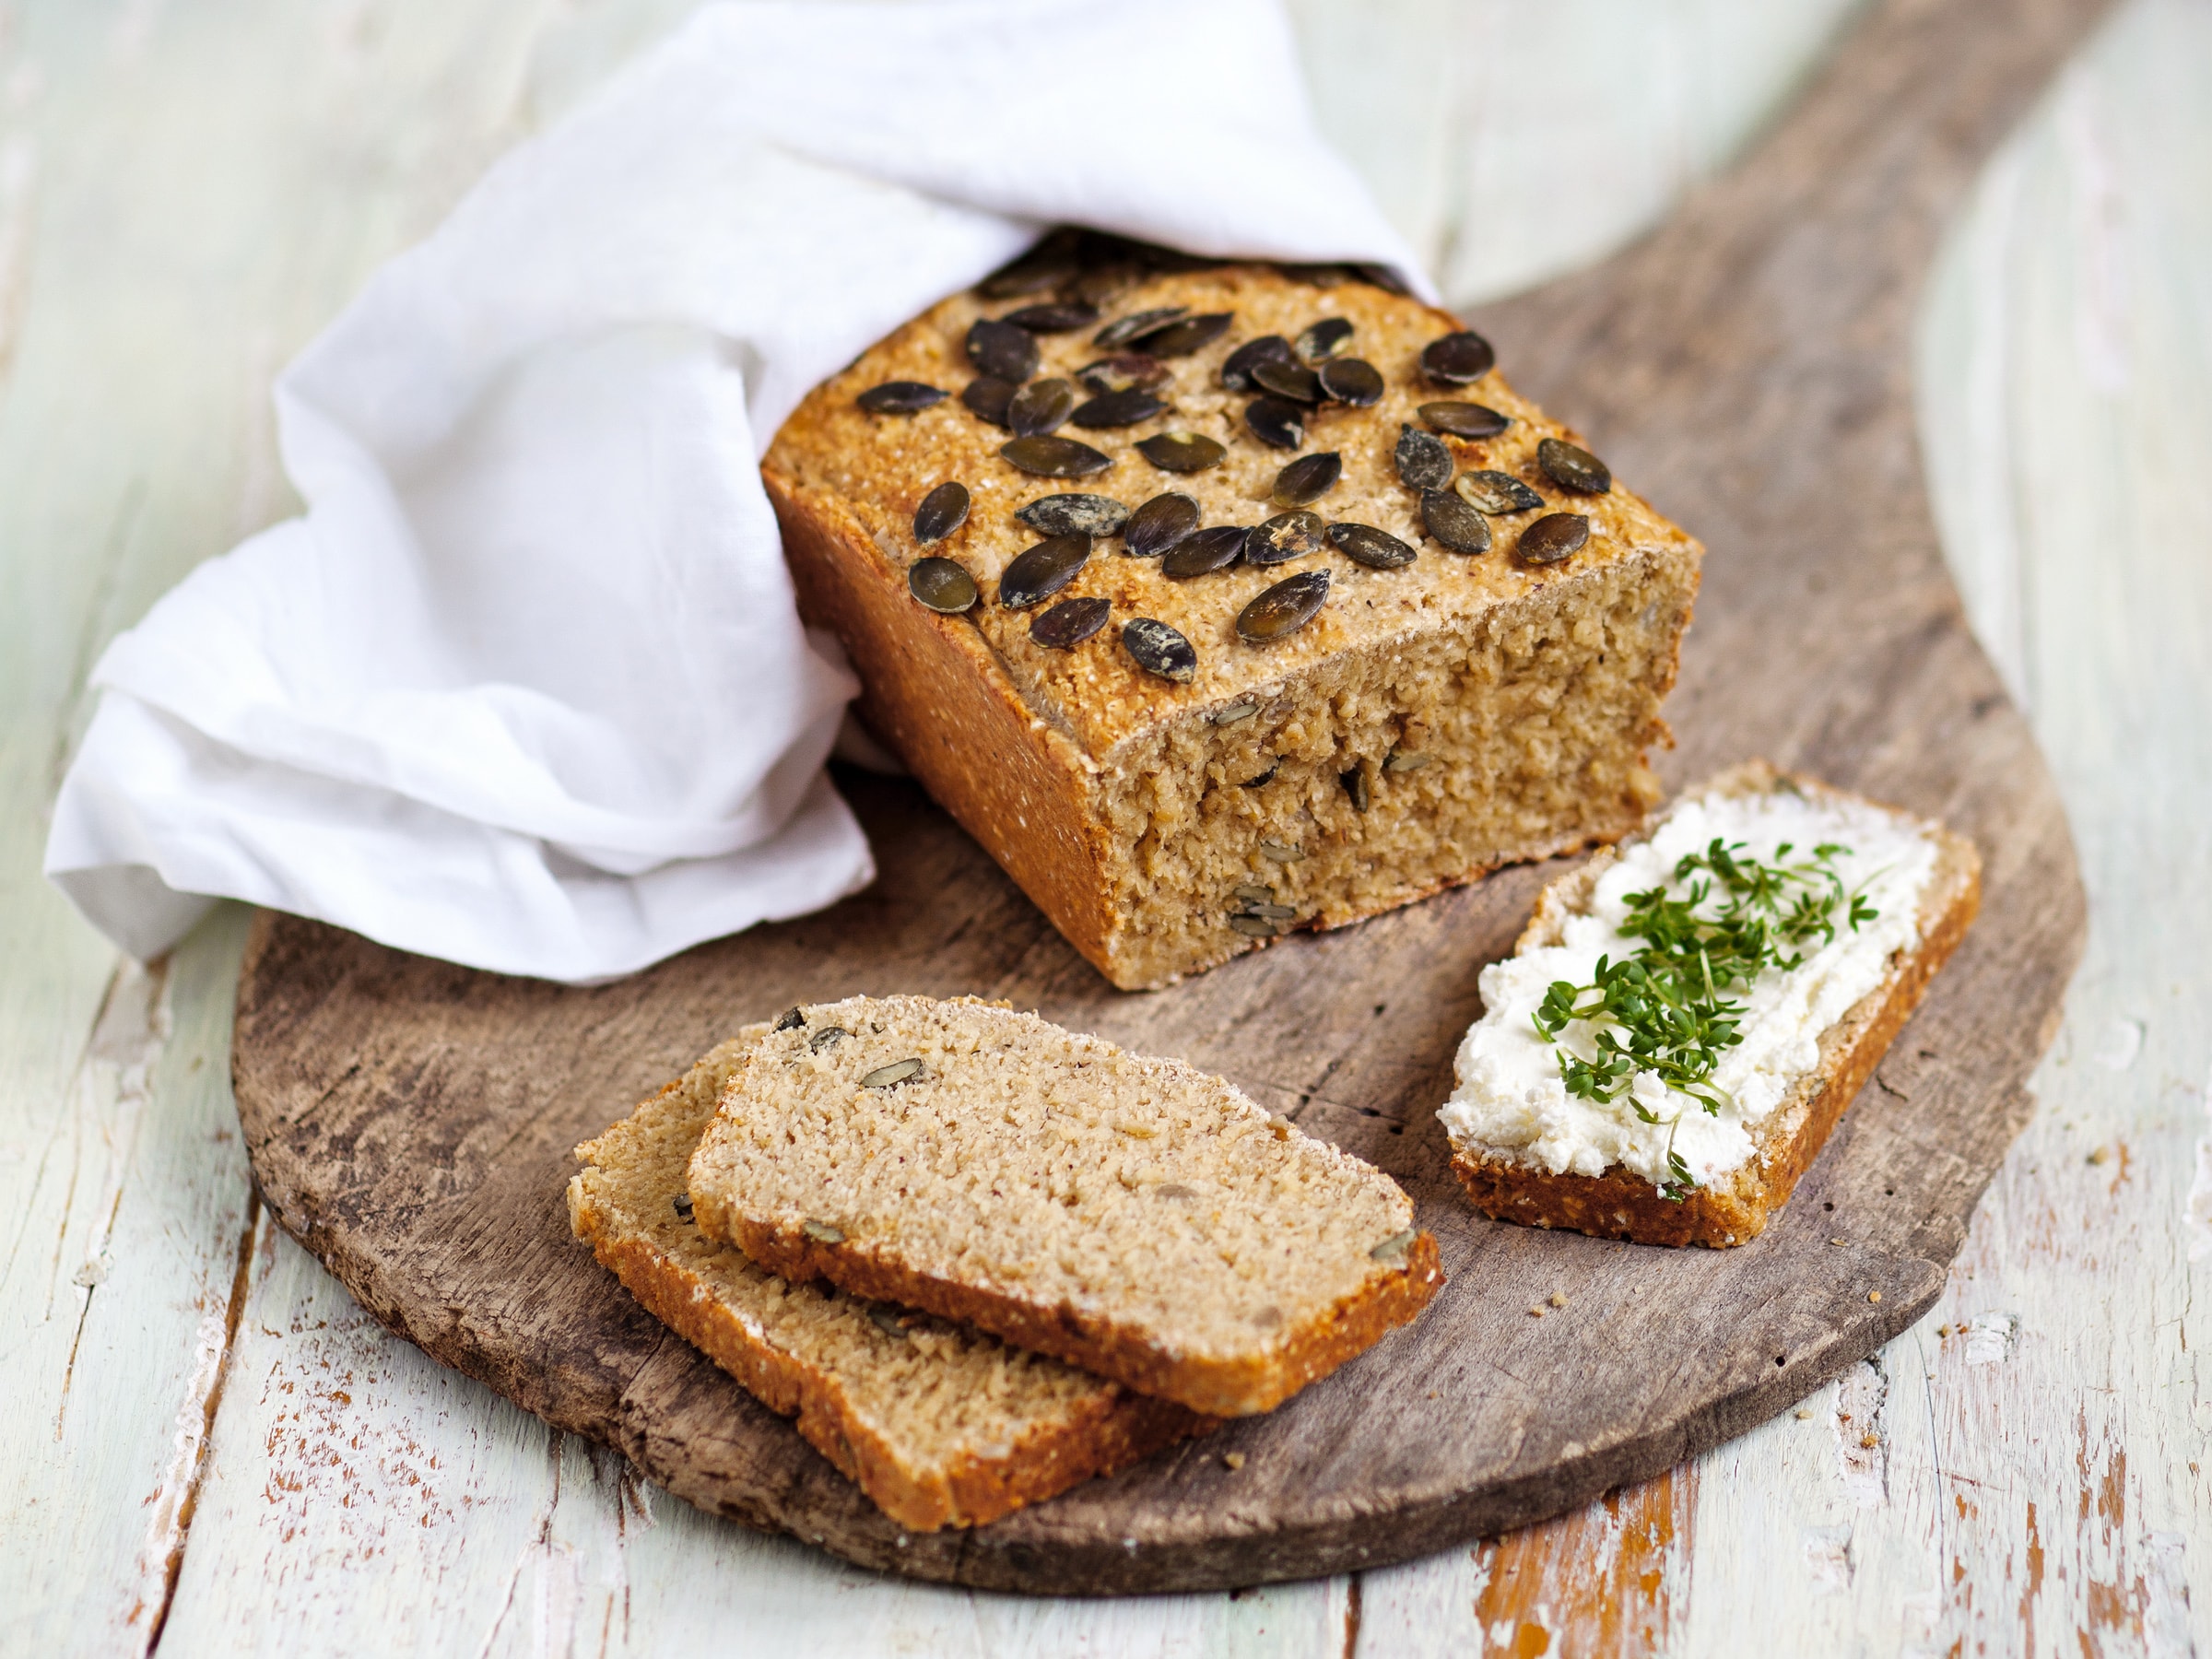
(1215, 1388)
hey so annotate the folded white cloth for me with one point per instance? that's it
(524, 687)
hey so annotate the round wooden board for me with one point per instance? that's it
(411, 1122)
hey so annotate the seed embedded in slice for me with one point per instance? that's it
(1293, 381)
(1353, 381)
(1254, 928)
(1276, 422)
(1276, 851)
(1158, 524)
(1043, 570)
(1069, 623)
(1236, 373)
(1457, 358)
(1180, 340)
(1308, 478)
(1119, 409)
(1075, 514)
(1423, 460)
(987, 396)
(1355, 785)
(1001, 350)
(1553, 538)
(1453, 522)
(887, 1077)
(827, 1037)
(1040, 407)
(1203, 551)
(1243, 708)
(824, 1231)
(1159, 648)
(1052, 317)
(1183, 451)
(1466, 420)
(941, 585)
(794, 1018)
(1496, 492)
(1572, 467)
(1276, 614)
(1285, 536)
(1400, 762)
(1377, 550)
(901, 397)
(1323, 340)
(1122, 331)
(943, 510)
(1052, 457)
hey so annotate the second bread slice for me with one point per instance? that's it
(1134, 1215)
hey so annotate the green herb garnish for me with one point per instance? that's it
(1667, 1008)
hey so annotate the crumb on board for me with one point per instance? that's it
(1558, 1298)
(1536, 1311)
(1870, 1441)
(1233, 1460)
(1805, 1414)
(1873, 1296)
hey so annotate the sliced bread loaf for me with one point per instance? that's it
(1673, 1157)
(940, 1424)
(1137, 1216)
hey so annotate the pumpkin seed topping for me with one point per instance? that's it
(822, 1233)
(1466, 420)
(1236, 373)
(1054, 317)
(901, 397)
(941, 585)
(987, 397)
(1180, 340)
(1183, 451)
(792, 1019)
(1123, 330)
(1323, 340)
(892, 1075)
(1281, 610)
(1553, 538)
(1159, 648)
(1353, 381)
(1041, 408)
(1377, 550)
(1382, 276)
(1001, 350)
(1075, 515)
(1453, 523)
(1043, 570)
(1120, 409)
(1055, 457)
(1049, 263)
(1423, 460)
(1069, 623)
(1158, 524)
(1293, 381)
(1203, 551)
(1495, 493)
(1275, 420)
(1129, 371)
(1572, 467)
(943, 510)
(1457, 358)
(1308, 478)
(1287, 536)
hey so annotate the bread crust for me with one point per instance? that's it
(1620, 1204)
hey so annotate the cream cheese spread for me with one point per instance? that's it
(1512, 1104)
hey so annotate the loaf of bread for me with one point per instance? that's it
(1134, 1217)
(940, 1424)
(1439, 645)
(1855, 905)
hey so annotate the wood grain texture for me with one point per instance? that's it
(1750, 367)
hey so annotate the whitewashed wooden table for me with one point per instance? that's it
(207, 1444)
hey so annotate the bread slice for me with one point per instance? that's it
(941, 1425)
(1135, 1216)
(1619, 1203)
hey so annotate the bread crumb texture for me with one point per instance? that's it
(1134, 1215)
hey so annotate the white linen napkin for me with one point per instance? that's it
(524, 687)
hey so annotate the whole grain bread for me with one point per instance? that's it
(1133, 1215)
(939, 1423)
(1431, 722)
(1620, 1204)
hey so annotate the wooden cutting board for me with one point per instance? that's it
(1748, 368)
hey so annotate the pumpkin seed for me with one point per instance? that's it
(1353, 381)
(1553, 538)
(1363, 544)
(822, 1231)
(899, 397)
(890, 1076)
(1495, 493)
(987, 396)
(1394, 1247)
(1267, 777)
(887, 1322)
(1274, 912)
(1405, 764)
(1120, 409)
(1287, 536)
(1102, 282)
(1276, 851)
(1236, 373)
(1355, 785)
(1254, 928)
(1323, 340)
(1423, 460)
(1159, 648)
(1253, 891)
(941, 585)
(1075, 515)
(1158, 524)
(1047, 264)
(1572, 467)
(1457, 358)
(1282, 610)
(1322, 276)
(1069, 623)
(1041, 408)
(1046, 457)
(1308, 478)
(1122, 330)
(1464, 420)
(943, 510)
(1174, 1189)
(1203, 551)
(683, 1207)
(1054, 317)
(826, 1036)
(1384, 277)
(792, 1019)
(1180, 340)
(1129, 371)
(1243, 709)
(1183, 451)
(1293, 381)
(1453, 522)
(1001, 350)
(1275, 420)
(1042, 571)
